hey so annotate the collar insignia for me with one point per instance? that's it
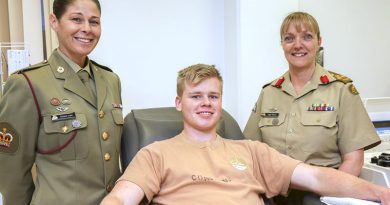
(279, 83)
(324, 79)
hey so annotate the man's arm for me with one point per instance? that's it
(352, 162)
(330, 182)
(124, 193)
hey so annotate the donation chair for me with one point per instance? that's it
(144, 126)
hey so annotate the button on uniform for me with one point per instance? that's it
(101, 114)
(107, 156)
(60, 69)
(105, 136)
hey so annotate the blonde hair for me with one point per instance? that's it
(195, 74)
(297, 19)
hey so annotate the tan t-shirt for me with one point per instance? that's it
(180, 171)
(325, 121)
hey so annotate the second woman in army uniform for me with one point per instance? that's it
(310, 113)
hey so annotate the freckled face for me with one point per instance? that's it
(78, 30)
(300, 47)
(201, 104)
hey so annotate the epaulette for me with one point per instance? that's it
(267, 84)
(340, 77)
(101, 66)
(32, 67)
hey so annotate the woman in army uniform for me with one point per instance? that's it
(68, 123)
(309, 113)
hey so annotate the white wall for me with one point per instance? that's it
(15, 20)
(32, 29)
(356, 41)
(146, 42)
(260, 54)
(230, 69)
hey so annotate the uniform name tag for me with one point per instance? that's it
(68, 116)
(270, 114)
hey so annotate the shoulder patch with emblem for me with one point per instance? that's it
(101, 66)
(278, 83)
(353, 89)
(32, 67)
(340, 77)
(9, 138)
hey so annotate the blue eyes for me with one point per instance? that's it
(212, 97)
(307, 37)
(290, 38)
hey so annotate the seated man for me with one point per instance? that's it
(199, 167)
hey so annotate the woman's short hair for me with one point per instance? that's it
(195, 74)
(297, 19)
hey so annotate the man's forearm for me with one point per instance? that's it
(124, 193)
(331, 182)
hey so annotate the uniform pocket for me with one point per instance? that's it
(271, 126)
(320, 131)
(58, 132)
(325, 119)
(117, 116)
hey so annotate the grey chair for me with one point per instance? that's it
(144, 126)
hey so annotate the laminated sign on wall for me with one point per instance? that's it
(17, 59)
(13, 56)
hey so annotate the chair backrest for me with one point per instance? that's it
(144, 126)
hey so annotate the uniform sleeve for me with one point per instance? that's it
(252, 130)
(273, 169)
(19, 126)
(356, 130)
(144, 170)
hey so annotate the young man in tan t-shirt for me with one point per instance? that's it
(199, 167)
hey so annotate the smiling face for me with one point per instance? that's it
(201, 104)
(301, 39)
(300, 47)
(78, 29)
